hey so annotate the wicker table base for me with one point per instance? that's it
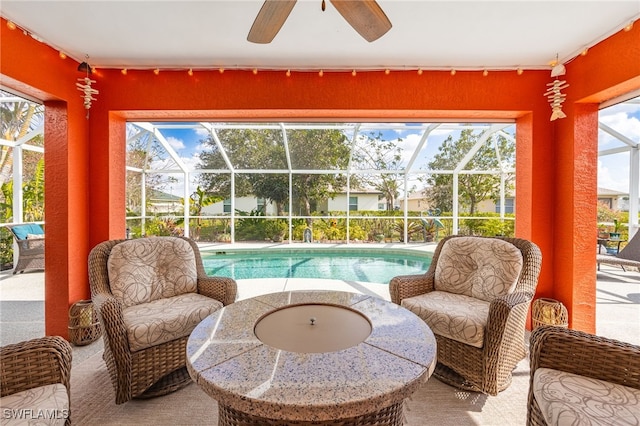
(389, 416)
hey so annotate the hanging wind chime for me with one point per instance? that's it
(553, 94)
(84, 85)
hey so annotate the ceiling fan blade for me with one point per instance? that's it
(365, 16)
(270, 19)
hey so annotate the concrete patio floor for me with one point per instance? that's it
(22, 301)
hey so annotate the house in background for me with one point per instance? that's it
(243, 204)
(163, 203)
(613, 199)
(416, 201)
(359, 199)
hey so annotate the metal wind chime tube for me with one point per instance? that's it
(84, 85)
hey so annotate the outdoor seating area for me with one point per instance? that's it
(628, 257)
(199, 171)
(91, 384)
(29, 238)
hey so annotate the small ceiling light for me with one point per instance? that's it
(419, 71)
(221, 70)
(62, 55)
(453, 72)
(123, 71)
(519, 71)
(485, 73)
(156, 71)
(353, 73)
(288, 73)
(585, 51)
(11, 25)
(387, 71)
(629, 26)
(255, 71)
(320, 73)
(190, 72)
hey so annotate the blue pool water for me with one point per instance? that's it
(372, 266)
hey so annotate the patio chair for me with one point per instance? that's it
(579, 378)
(149, 294)
(475, 297)
(628, 256)
(35, 379)
(30, 240)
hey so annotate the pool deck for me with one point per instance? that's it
(617, 293)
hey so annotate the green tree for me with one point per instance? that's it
(317, 150)
(264, 150)
(375, 153)
(472, 188)
(199, 200)
(142, 152)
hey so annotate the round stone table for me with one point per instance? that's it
(323, 357)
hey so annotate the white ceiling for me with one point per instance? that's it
(430, 34)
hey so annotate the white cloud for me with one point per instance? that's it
(175, 143)
(613, 173)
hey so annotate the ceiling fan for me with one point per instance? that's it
(365, 16)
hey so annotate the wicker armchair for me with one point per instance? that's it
(31, 375)
(30, 240)
(149, 294)
(570, 368)
(479, 329)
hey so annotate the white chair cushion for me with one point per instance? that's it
(570, 399)
(163, 320)
(484, 268)
(148, 269)
(455, 316)
(44, 405)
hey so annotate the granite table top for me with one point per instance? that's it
(228, 361)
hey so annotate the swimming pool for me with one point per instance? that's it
(373, 266)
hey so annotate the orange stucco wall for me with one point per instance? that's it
(556, 161)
